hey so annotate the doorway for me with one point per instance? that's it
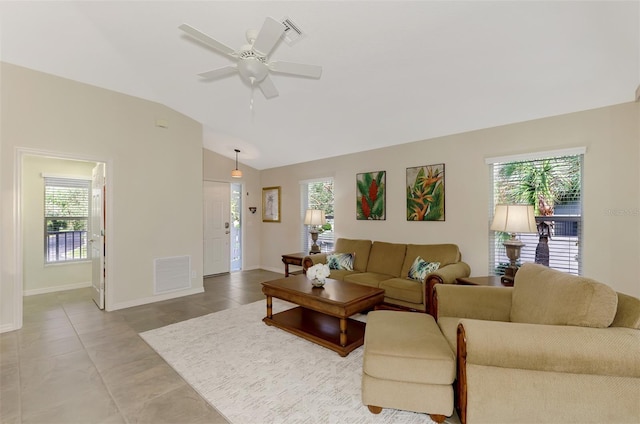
(63, 239)
(222, 239)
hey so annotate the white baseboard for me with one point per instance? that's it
(153, 299)
(279, 270)
(7, 327)
(56, 288)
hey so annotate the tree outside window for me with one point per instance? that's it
(66, 210)
(553, 187)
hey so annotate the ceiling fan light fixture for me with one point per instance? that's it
(252, 67)
(236, 173)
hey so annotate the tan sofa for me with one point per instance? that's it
(386, 265)
(553, 348)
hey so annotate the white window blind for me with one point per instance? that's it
(553, 184)
(317, 194)
(66, 216)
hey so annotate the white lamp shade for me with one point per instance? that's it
(314, 217)
(514, 219)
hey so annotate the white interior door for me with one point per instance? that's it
(97, 234)
(217, 215)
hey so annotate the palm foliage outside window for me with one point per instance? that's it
(66, 216)
(553, 186)
(318, 194)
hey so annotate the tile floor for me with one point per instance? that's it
(72, 363)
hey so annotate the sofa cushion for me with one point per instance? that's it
(372, 279)
(340, 274)
(386, 258)
(403, 289)
(628, 313)
(360, 250)
(424, 357)
(340, 261)
(444, 253)
(542, 295)
(420, 268)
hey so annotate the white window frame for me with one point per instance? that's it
(69, 182)
(305, 237)
(531, 240)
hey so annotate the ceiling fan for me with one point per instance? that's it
(253, 63)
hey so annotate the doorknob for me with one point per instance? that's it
(226, 225)
(227, 232)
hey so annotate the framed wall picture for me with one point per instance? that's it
(425, 193)
(370, 197)
(271, 204)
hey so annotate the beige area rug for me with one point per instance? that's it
(253, 373)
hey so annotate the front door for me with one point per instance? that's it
(97, 234)
(217, 217)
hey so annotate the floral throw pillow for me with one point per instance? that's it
(340, 261)
(420, 268)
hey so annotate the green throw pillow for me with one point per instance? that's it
(420, 268)
(340, 261)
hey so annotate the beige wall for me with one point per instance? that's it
(611, 190)
(154, 186)
(37, 276)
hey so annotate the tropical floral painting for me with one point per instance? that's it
(370, 200)
(425, 193)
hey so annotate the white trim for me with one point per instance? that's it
(8, 327)
(536, 155)
(316, 180)
(153, 299)
(66, 176)
(57, 288)
(17, 238)
(273, 269)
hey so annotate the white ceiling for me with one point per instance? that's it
(393, 71)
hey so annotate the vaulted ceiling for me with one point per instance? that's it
(393, 71)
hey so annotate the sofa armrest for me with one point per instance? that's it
(612, 351)
(311, 260)
(448, 273)
(445, 275)
(475, 302)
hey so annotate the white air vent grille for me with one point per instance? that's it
(292, 33)
(171, 274)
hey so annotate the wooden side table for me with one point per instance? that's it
(491, 280)
(292, 259)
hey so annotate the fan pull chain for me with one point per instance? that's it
(253, 87)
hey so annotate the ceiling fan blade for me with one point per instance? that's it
(205, 39)
(300, 69)
(268, 89)
(268, 36)
(220, 72)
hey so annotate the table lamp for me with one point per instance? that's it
(513, 219)
(314, 218)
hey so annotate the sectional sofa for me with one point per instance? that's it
(390, 266)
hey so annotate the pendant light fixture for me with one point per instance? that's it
(236, 173)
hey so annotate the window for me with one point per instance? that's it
(66, 218)
(317, 194)
(553, 184)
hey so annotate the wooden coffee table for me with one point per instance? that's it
(323, 314)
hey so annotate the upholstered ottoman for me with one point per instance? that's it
(407, 364)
